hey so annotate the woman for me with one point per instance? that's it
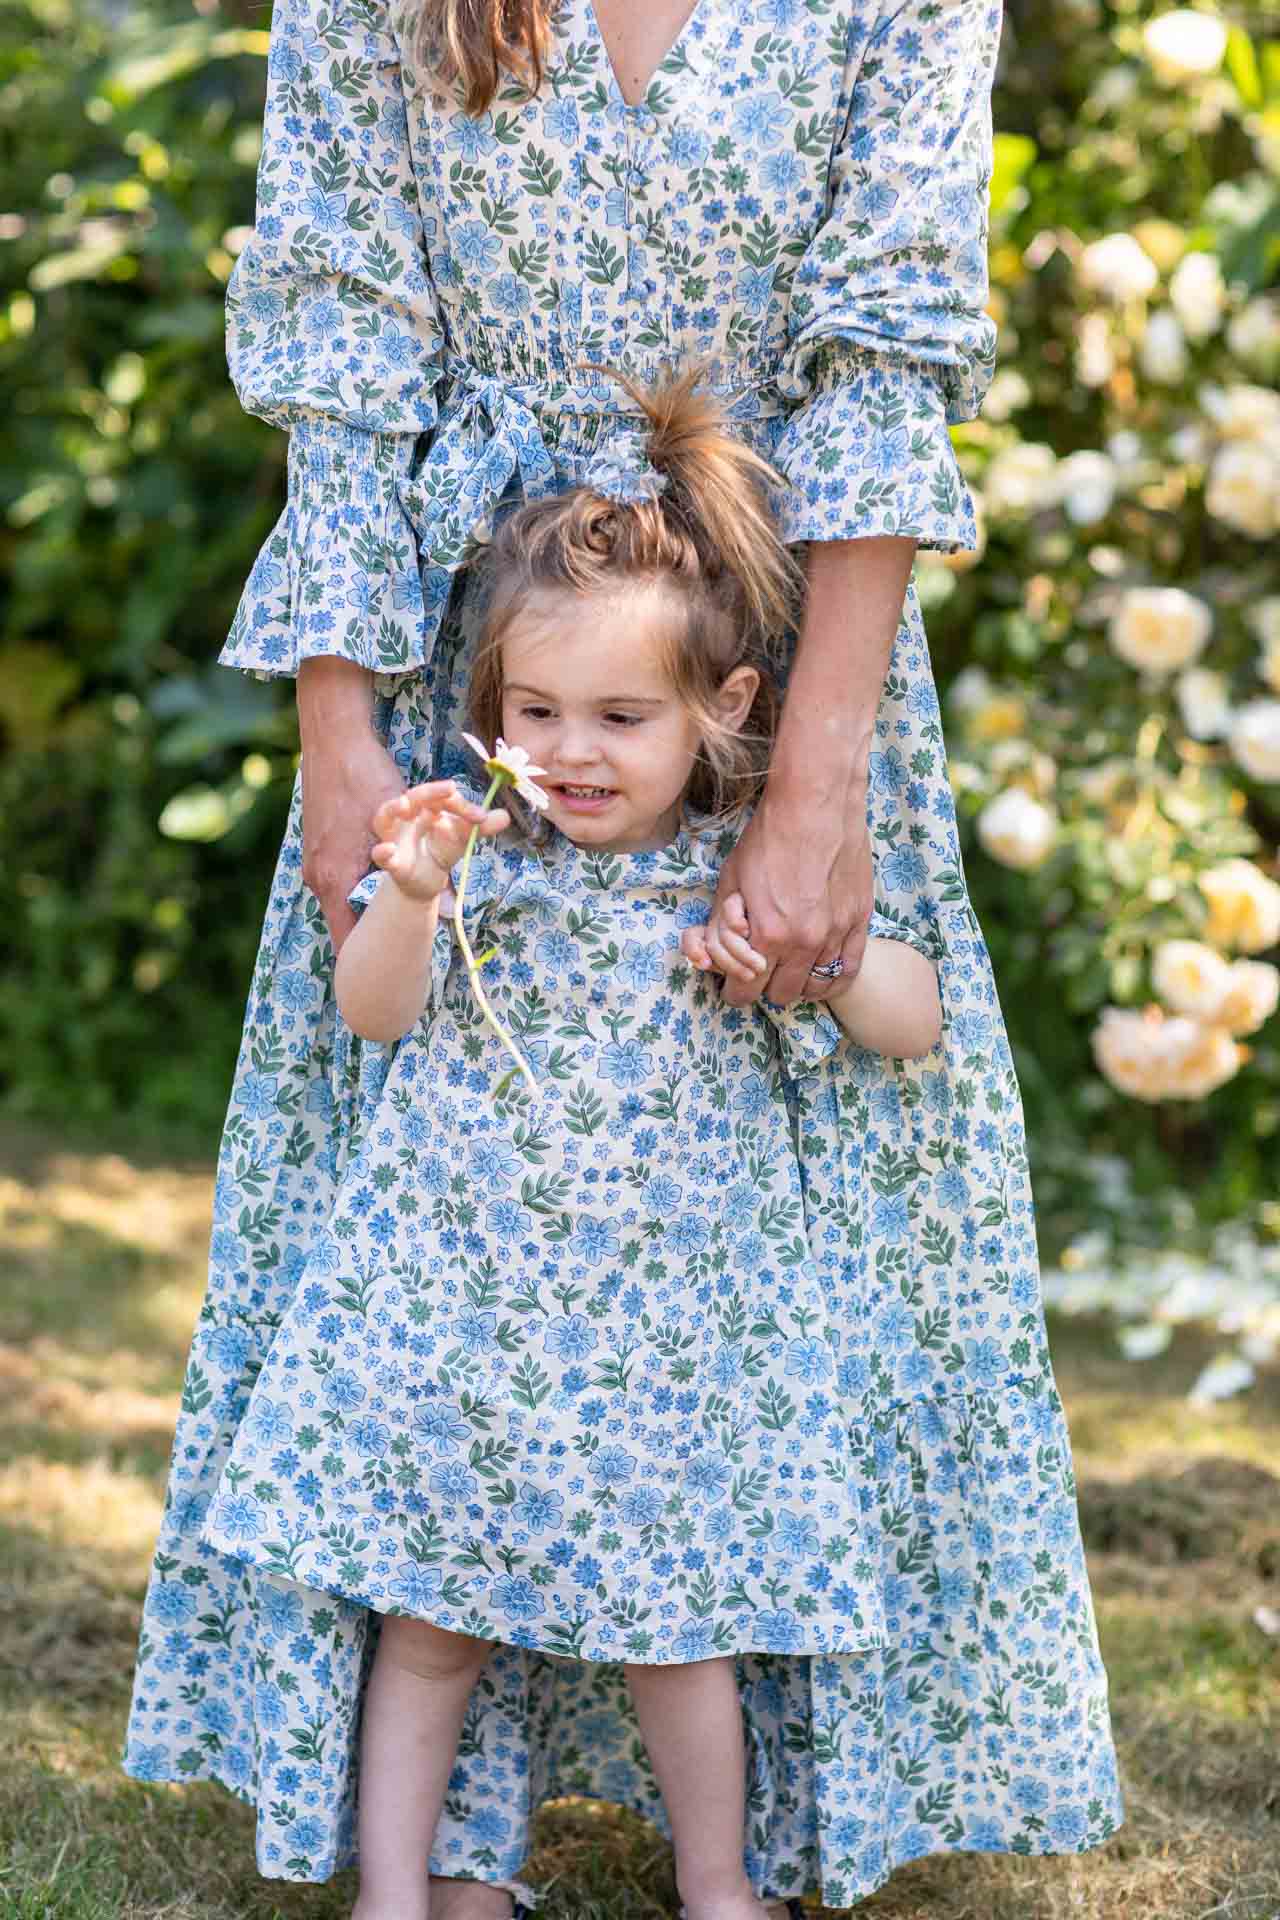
(456, 224)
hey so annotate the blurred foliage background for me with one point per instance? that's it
(1110, 663)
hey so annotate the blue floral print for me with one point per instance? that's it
(829, 268)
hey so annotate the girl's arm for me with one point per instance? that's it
(384, 969)
(891, 1005)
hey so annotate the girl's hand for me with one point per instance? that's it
(806, 882)
(423, 834)
(722, 945)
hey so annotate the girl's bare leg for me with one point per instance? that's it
(414, 1707)
(691, 1722)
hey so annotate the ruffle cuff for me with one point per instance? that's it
(867, 451)
(339, 573)
(807, 1034)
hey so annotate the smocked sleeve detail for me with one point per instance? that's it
(889, 341)
(332, 334)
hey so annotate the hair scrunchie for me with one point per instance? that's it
(622, 471)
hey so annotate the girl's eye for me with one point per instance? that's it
(625, 719)
(534, 713)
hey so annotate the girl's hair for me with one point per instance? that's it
(708, 541)
(470, 44)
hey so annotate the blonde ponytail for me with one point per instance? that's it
(717, 495)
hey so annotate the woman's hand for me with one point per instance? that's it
(806, 882)
(347, 774)
(423, 834)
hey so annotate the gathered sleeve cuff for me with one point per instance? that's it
(339, 572)
(869, 453)
(808, 1035)
(889, 341)
(333, 334)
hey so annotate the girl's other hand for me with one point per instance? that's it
(421, 835)
(722, 946)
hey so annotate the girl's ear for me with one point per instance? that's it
(736, 692)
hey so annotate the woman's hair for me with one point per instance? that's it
(708, 542)
(470, 44)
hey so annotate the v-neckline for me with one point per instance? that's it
(635, 106)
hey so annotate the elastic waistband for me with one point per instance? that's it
(550, 372)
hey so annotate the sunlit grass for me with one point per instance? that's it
(106, 1264)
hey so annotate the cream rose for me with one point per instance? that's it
(1184, 45)
(1159, 628)
(1255, 739)
(1243, 411)
(1204, 1061)
(1199, 294)
(1095, 356)
(1203, 703)
(1243, 490)
(1127, 1053)
(1253, 334)
(1153, 1056)
(1253, 993)
(1190, 978)
(1118, 268)
(1009, 390)
(1263, 618)
(1017, 829)
(1244, 906)
(1020, 479)
(1086, 486)
(1163, 354)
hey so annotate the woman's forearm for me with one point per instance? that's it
(853, 607)
(335, 704)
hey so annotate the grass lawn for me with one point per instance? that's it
(104, 1270)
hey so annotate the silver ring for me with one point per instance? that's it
(831, 971)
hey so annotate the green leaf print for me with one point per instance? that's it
(539, 172)
(530, 1383)
(601, 262)
(776, 1407)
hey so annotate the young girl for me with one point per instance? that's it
(553, 1340)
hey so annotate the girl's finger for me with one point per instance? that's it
(694, 949)
(733, 914)
(726, 962)
(743, 950)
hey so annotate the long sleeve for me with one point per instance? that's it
(889, 343)
(332, 333)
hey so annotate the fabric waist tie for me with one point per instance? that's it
(486, 434)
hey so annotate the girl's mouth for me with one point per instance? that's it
(583, 799)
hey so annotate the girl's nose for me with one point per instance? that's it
(577, 747)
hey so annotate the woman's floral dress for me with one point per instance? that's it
(800, 201)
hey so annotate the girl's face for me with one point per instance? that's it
(587, 694)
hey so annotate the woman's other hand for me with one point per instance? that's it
(347, 774)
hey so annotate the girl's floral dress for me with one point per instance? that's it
(881, 1524)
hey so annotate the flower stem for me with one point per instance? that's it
(473, 966)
